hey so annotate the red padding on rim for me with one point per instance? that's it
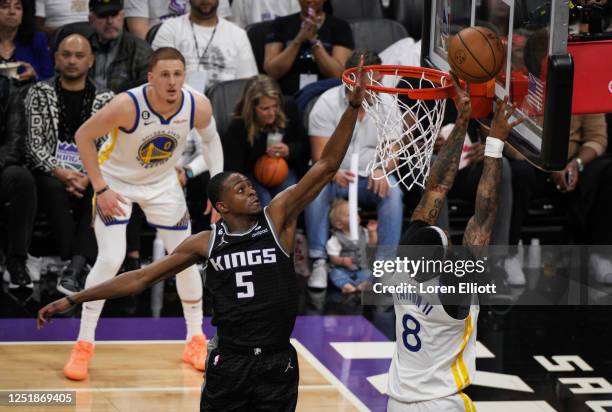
(435, 76)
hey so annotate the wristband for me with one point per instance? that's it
(494, 147)
(357, 106)
(104, 189)
(70, 300)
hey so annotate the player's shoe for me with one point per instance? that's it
(17, 274)
(77, 366)
(69, 283)
(195, 352)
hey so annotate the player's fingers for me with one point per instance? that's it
(510, 111)
(517, 121)
(40, 321)
(208, 208)
(121, 199)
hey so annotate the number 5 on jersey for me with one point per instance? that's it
(240, 283)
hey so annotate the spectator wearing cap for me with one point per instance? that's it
(120, 57)
(53, 14)
(55, 109)
(215, 49)
(21, 43)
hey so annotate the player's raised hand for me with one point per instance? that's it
(462, 97)
(501, 126)
(358, 93)
(46, 313)
(109, 203)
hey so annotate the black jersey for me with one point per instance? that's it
(253, 286)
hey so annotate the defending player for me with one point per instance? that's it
(148, 128)
(435, 355)
(251, 277)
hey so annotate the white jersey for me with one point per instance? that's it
(150, 150)
(435, 354)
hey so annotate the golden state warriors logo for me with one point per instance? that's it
(156, 150)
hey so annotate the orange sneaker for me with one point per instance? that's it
(195, 352)
(77, 365)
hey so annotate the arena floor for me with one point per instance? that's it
(343, 362)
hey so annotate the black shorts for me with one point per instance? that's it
(251, 382)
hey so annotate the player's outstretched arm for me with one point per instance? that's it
(191, 251)
(286, 206)
(444, 169)
(479, 227)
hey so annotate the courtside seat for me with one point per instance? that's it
(257, 34)
(410, 14)
(224, 96)
(152, 33)
(376, 34)
(82, 27)
(357, 9)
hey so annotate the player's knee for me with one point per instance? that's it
(109, 263)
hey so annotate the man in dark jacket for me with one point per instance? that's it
(121, 58)
(17, 187)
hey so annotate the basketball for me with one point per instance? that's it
(271, 171)
(476, 54)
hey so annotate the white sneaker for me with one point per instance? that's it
(516, 276)
(34, 265)
(318, 277)
(600, 268)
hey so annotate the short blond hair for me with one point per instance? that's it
(333, 209)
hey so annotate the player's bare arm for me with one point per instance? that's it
(444, 168)
(213, 150)
(120, 112)
(479, 227)
(191, 251)
(285, 208)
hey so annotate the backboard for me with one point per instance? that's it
(538, 71)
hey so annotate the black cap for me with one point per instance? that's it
(105, 7)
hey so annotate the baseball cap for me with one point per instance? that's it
(105, 7)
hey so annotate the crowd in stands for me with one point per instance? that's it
(74, 56)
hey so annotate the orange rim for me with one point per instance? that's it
(434, 76)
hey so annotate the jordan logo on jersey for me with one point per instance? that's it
(242, 259)
(157, 149)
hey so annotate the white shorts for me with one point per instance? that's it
(162, 202)
(459, 402)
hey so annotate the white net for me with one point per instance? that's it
(407, 128)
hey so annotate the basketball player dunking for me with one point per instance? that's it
(435, 351)
(147, 128)
(251, 278)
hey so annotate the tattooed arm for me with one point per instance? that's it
(479, 227)
(444, 168)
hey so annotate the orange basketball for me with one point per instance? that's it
(476, 54)
(271, 171)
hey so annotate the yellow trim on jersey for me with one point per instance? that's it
(467, 403)
(105, 154)
(460, 372)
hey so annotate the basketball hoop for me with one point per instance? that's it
(408, 117)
